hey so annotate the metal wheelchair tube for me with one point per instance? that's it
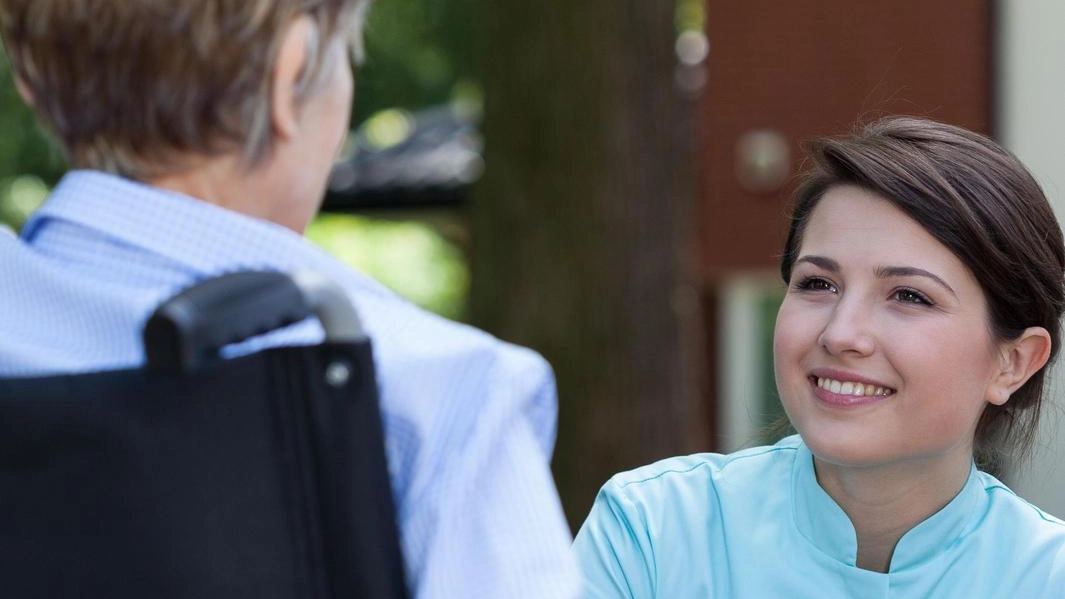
(331, 305)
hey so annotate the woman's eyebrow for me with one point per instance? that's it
(826, 263)
(884, 272)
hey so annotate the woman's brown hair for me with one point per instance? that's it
(978, 200)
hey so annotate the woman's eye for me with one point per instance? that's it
(816, 284)
(909, 296)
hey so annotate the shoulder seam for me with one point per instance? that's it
(705, 463)
(1039, 512)
(661, 474)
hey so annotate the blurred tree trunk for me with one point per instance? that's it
(583, 227)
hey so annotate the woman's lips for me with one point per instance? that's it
(843, 392)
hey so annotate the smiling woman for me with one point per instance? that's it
(866, 308)
(925, 284)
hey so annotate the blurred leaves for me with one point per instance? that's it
(29, 161)
(388, 128)
(418, 53)
(19, 197)
(691, 15)
(409, 257)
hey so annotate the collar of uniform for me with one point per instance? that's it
(819, 519)
(943, 529)
(824, 524)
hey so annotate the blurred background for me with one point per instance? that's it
(606, 181)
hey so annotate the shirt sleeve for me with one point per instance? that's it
(613, 548)
(499, 530)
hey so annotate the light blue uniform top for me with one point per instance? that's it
(756, 525)
(469, 420)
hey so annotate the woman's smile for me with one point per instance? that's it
(840, 389)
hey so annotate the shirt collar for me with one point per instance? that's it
(167, 223)
(824, 524)
(200, 236)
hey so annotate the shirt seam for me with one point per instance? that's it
(1039, 512)
(704, 463)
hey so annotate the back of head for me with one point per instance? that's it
(980, 202)
(135, 87)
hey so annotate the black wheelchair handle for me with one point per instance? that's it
(188, 330)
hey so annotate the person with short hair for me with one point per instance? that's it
(201, 134)
(925, 275)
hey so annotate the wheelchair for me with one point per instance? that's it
(259, 476)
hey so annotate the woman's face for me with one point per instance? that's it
(882, 349)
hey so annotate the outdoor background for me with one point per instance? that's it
(606, 182)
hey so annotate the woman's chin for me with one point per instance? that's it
(849, 448)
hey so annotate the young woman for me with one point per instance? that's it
(925, 284)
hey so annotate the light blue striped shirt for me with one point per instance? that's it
(756, 524)
(470, 420)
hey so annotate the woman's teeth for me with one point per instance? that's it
(849, 388)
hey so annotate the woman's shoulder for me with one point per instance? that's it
(1027, 542)
(667, 529)
(1015, 512)
(755, 465)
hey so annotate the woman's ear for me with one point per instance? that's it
(288, 69)
(1021, 358)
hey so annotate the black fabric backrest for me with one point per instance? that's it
(263, 476)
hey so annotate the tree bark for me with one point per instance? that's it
(583, 228)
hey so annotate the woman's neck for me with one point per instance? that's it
(884, 502)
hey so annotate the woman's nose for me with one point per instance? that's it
(849, 330)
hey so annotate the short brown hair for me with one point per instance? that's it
(978, 200)
(132, 87)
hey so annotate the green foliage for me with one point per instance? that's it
(19, 196)
(29, 162)
(691, 15)
(418, 53)
(411, 258)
